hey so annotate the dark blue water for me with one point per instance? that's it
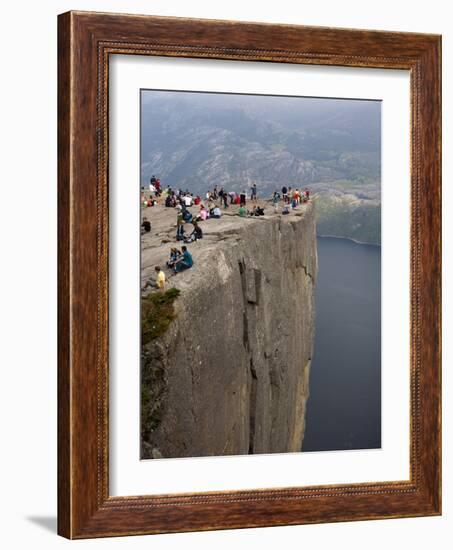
(344, 408)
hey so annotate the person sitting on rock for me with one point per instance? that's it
(196, 234)
(203, 215)
(216, 212)
(174, 255)
(184, 262)
(242, 211)
(146, 226)
(158, 282)
(160, 278)
(257, 211)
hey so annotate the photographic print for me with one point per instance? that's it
(260, 274)
(223, 200)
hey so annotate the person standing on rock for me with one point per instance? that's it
(180, 227)
(242, 198)
(285, 194)
(254, 196)
(158, 187)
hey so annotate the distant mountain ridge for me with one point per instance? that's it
(196, 141)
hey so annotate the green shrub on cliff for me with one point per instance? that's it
(157, 313)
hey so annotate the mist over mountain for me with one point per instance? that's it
(198, 140)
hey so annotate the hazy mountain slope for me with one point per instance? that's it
(196, 141)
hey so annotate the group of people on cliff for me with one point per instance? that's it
(295, 196)
(209, 208)
(217, 198)
(174, 197)
(228, 198)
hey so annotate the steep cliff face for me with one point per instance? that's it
(230, 375)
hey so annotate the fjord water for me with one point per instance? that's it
(344, 407)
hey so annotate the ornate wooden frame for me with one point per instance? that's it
(85, 41)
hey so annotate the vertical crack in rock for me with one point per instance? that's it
(245, 330)
(250, 297)
(253, 401)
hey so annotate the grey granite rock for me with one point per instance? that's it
(234, 365)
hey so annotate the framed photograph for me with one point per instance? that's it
(249, 275)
